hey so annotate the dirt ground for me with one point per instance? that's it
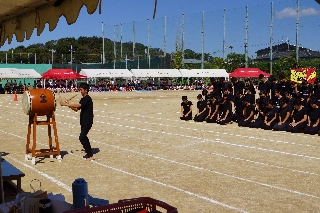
(143, 149)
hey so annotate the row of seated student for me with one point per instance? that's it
(279, 113)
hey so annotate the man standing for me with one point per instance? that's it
(86, 118)
(264, 84)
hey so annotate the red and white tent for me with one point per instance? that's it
(248, 73)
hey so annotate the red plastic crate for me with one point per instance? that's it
(126, 205)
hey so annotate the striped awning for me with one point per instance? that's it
(20, 17)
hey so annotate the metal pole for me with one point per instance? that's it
(71, 56)
(138, 62)
(182, 42)
(6, 58)
(114, 47)
(134, 38)
(297, 31)
(121, 40)
(271, 39)
(126, 62)
(149, 41)
(202, 56)
(165, 36)
(35, 58)
(103, 56)
(247, 30)
(224, 34)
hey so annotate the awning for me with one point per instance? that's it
(21, 17)
(95, 73)
(8, 73)
(120, 73)
(204, 73)
(156, 73)
(27, 73)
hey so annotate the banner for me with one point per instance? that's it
(309, 74)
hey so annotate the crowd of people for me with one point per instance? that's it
(280, 105)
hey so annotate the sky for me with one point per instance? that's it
(115, 12)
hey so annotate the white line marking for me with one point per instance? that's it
(52, 179)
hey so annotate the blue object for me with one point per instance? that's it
(81, 196)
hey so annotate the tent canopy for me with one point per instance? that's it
(8, 73)
(120, 73)
(95, 73)
(62, 74)
(156, 73)
(27, 73)
(204, 73)
(23, 16)
(248, 73)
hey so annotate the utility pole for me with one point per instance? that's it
(297, 32)
(202, 56)
(103, 56)
(71, 54)
(52, 51)
(247, 30)
(114, 47)
(224, 34)
(271, 39)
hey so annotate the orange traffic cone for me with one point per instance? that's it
(15, 98)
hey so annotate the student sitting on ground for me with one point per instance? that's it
(226, 112)
(248, 114)
(261, 109)
(213, 109)
(239, 106)
(284, 116)
(270, 117)
(299, 118)
(312, 127)
(202, 111)
(186, 109)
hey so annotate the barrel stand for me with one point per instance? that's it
(32, 153)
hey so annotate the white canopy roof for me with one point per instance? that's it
(8, 73)
(156, 73)
(117, 73)
(95, 73)
(204, 73)
(27, 73)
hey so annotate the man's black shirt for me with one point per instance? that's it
(86, 114)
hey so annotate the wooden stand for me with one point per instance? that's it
(53, 150)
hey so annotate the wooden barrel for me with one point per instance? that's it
(40, 101)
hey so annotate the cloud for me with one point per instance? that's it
(292, 12)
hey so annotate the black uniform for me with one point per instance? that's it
(314, 115)
(265, 86)
(214, 112)
(201, 105)
(186, 109)
(282, 115)
(238, 103)
(226, 111)
(238, 86)
(245, 122)
(261, 114)
(86, 121)
(297, 116)
(272, 112)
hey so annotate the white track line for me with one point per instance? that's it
(59, 183)
(52, 179)
(216, 125)
(203, 140)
